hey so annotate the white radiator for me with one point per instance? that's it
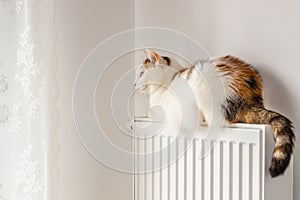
(235, 169)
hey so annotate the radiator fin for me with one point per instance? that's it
(230, 171)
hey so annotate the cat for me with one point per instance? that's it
(241, 103)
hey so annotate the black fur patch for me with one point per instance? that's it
(167, 59)
(251, 82)
(258, 100)
(231, 107)
(278, 166)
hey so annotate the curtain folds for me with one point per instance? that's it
(28, 95)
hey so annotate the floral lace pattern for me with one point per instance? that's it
(26, 56)
(15, 121)
(25, 61)
(19, 4)
(3, 84)
(4, 113)
(3, 81)
(15, 6)
(26, 176)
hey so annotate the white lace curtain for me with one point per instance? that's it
(28, 92)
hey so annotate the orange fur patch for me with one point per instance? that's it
(278, 153)
(183, 71)
(246, 82)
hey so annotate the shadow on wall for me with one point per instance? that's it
(277, 96)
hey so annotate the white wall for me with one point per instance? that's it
(264, 33)
(80, 26)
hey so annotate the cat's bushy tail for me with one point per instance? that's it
(283, 135)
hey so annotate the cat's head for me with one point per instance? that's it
(154, 70)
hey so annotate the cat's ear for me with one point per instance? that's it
(154, 57)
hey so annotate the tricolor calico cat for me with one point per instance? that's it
(241, 103)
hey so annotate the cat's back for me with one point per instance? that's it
(245, 81)
(236, 67)
(240, 78)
